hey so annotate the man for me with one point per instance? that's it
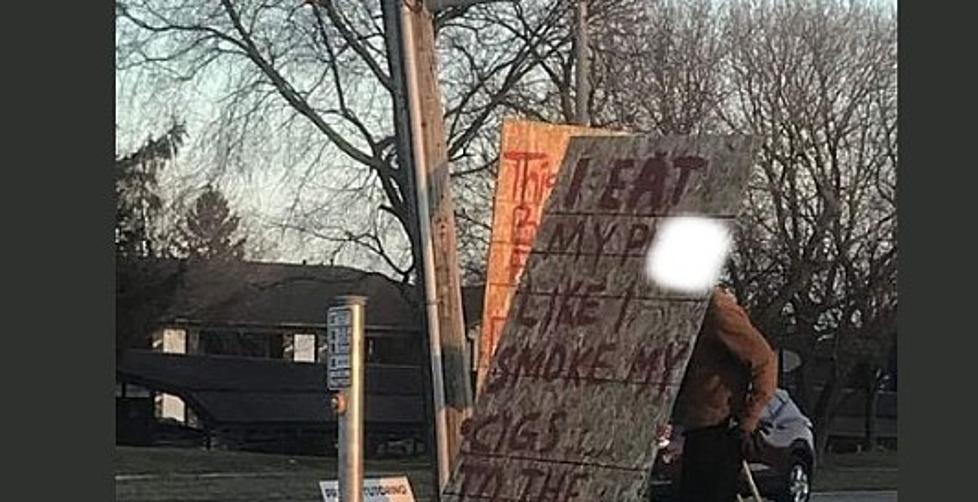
(731, 376)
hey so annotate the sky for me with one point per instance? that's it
(261, 193)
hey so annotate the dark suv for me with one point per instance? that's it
(788, 464)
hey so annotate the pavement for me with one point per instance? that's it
(874, 496)
(853, 496)
(844, 496)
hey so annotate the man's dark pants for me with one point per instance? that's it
(712, 465)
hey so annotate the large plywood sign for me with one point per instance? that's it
(592, 354)
(530, 155)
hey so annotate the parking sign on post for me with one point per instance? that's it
(344, 377)
(338, 333)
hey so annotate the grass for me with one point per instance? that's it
(295, 488)
(175, 474)
(172, 474)
(132, 460)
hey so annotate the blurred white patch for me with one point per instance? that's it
(688, 253)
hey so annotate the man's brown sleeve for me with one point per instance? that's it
(748, 344)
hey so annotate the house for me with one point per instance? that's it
(236, 348)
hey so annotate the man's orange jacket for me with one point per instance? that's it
(732, 372)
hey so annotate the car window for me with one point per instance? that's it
(775, 406)
(790, 409)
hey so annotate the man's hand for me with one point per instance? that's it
(752, 445)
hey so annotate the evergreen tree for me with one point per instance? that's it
(210, 229)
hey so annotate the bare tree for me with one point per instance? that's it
(817, 249)
(316, 76)
(658, 66)
(640, 49)
(815, 260)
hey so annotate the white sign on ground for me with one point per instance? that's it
(394, 489)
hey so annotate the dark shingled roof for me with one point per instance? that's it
(277, 294)
(280, 294)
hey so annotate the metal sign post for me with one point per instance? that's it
(344, 376)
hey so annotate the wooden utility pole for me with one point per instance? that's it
(439, 268)
(434, 401)
(582, 84)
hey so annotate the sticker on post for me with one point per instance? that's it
(339, 361)
(394, 489)
(339, 317)
(338, 378)
(339, 335)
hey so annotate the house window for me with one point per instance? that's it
(276, 347)
(393, 350)
(242, 344)
(288, 347)
(301, 347)
(136, 391)
(193, 420)
(170, 407)
(170, 340)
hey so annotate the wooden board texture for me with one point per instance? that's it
(530, 155)
(592, 353)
